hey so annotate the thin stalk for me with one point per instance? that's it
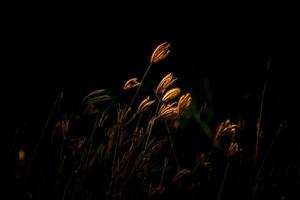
(54, 108)
(163, 172)
(259, 123)
(91, 141)
(172, 147)
(223, 181)
(114, 159)
(279, 130)
(142, 81)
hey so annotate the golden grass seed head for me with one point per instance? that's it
(168, 111)
(184, 103)
(171, 94)
(160, 52)
(131, 83)
(165, 83)
(144, 105)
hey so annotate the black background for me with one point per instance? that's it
(76, 50)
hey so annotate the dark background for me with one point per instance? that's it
(76, 51)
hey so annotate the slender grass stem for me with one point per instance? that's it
(172, 147)
(223, 181)
(54, 109)
(142, 81)
(260, 118)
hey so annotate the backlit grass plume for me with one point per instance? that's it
(160, 52)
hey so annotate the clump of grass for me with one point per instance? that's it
(128, 142)
(111, 149)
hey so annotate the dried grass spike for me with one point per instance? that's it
(201, 162)
(226, 128)
(181, 174)
(165, 83)
(131, 83)
(233, 149)
(219, 130)
(160, 52)
(98, 99)
(144, 105)
(122, 114)
(171, 94)
(102, 119)
(168, 111)
(184, 103)
(93, 95)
